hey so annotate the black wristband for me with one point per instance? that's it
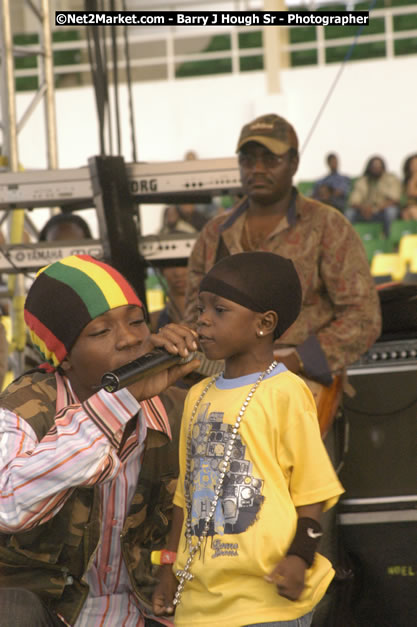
(306, 539)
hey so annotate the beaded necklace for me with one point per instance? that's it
(185, 575)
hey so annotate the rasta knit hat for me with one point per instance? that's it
(66, 296)
(259, 281)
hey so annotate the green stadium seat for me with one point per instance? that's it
(376, 246)
(411, 274)
(401, 227)
(369, 230)
(305, 187)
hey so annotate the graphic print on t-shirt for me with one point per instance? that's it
(241, 497)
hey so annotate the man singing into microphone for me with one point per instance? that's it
(86, 477)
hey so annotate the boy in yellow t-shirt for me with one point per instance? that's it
(254, 473)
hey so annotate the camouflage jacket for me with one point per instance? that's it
(340, 316)
(51, 558)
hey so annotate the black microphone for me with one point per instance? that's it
(145, 366)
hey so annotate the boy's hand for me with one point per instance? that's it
(288, 576)
(162, 598)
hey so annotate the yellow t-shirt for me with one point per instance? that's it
(278, 463)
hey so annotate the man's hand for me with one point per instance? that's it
(288, 576)
(177, 339)
(162, 598)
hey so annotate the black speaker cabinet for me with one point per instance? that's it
(380, 547)
(381, 457)
(377, 517)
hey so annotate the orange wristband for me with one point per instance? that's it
(163, 557)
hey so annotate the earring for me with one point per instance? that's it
(261, 333)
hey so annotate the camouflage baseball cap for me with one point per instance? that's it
(271, 131)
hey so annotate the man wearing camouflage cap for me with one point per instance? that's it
(340, 316)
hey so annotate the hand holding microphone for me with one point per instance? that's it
(171, 358)
(145, 366)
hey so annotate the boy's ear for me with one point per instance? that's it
(268, 322)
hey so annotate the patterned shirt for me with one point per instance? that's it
(83, 449)
(340, 316)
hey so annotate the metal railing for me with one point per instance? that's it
(164, 53)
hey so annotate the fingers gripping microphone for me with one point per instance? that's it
(145, 366)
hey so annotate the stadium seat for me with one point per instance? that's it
(399, 228)
(411, 274)
(155, 300)
(368, 230)
(374, 246)
(388, 265)
(413, 264)
(305, 187)
(407, 247)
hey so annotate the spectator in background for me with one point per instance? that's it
(323, 193)
(192, 215)
(375, 196)
(190, 155)
(334, 188)
(339, 320)
(176, 282)
(409, 211)
(65, 226)
(172, 222)
(196, 214)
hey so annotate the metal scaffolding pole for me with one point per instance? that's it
(275, 48)
(8, 101)
(47, 74)
(10, 129)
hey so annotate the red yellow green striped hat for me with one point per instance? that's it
(66, 296)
